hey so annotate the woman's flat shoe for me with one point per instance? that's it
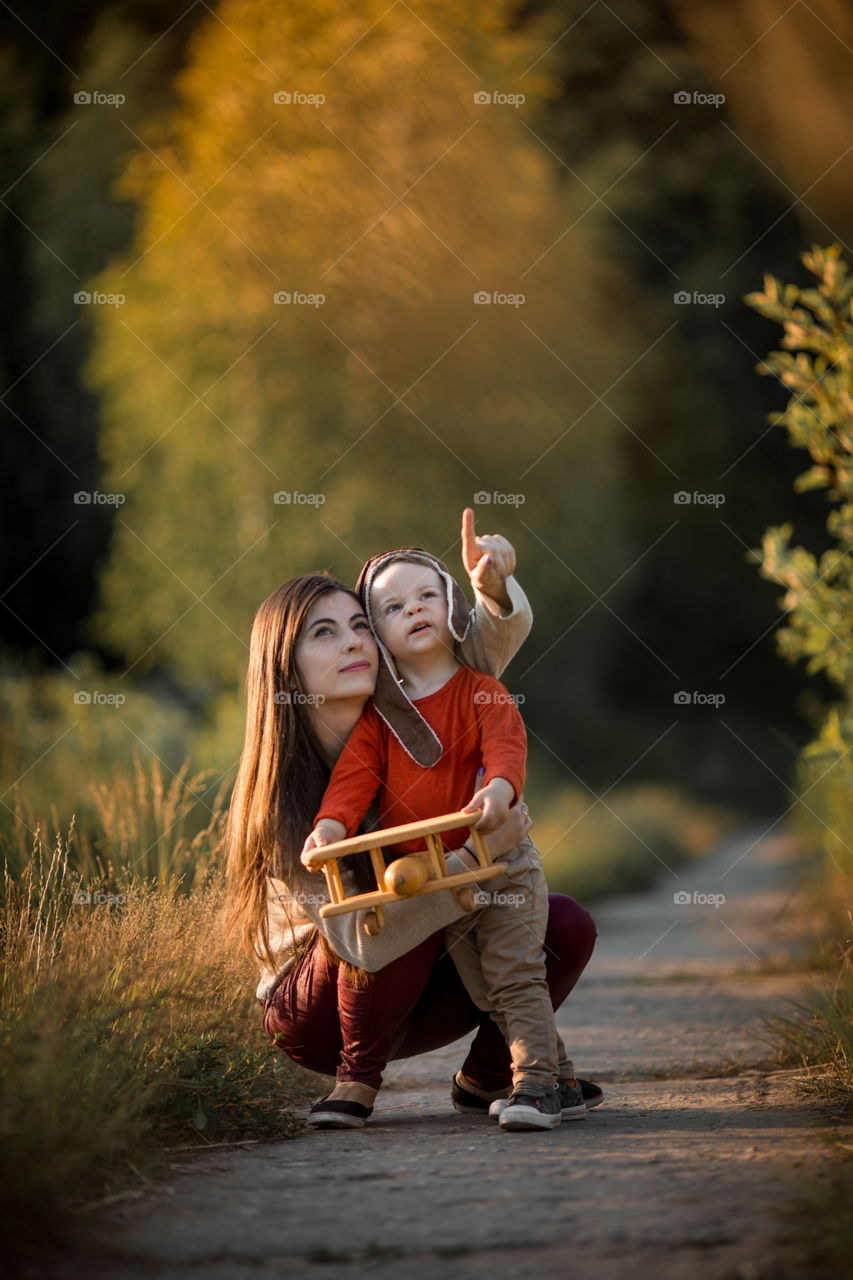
(338, 1114)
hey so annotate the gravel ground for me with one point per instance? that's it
(688, 1169)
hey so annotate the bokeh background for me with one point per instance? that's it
(245, 247)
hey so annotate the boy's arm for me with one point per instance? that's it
(502, 617)
(494, 638)
(503, 737)
(356, 776)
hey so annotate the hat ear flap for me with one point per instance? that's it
(459, 618)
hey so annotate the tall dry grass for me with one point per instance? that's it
(127, 1021)
(817, 1035)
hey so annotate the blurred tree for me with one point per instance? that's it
(787, 73)
(685, 209)
(399, 398)
(59, 224)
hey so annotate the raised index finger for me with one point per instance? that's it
(470, 553)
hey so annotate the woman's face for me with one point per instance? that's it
(336, 655)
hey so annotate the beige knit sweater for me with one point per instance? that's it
(293, 912)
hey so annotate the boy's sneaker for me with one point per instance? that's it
(572, 1105)
(531, 1106)
(575, 1100)
(328, 1114)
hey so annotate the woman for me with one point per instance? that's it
(313, 664)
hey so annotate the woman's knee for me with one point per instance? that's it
(571, 929)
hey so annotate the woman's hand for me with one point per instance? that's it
(327, 831)
(489, 560)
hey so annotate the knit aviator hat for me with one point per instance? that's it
(398, 711)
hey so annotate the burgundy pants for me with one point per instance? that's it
(414, 1004)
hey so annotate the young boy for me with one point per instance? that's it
(432, 724)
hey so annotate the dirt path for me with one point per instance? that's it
(675, 1176)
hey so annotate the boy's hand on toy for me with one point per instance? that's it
(494, 799)
(327, 831)
(488, 559)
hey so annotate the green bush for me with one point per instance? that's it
(818, 599)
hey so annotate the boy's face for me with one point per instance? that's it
(409, 606)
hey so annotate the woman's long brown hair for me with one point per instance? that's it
(282, 773)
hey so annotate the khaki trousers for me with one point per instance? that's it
(498, 953)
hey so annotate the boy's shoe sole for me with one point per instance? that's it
(520, 1115)
(327, 1114)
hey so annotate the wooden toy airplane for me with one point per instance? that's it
(408, 876)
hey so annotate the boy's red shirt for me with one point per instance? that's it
(478, 724)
